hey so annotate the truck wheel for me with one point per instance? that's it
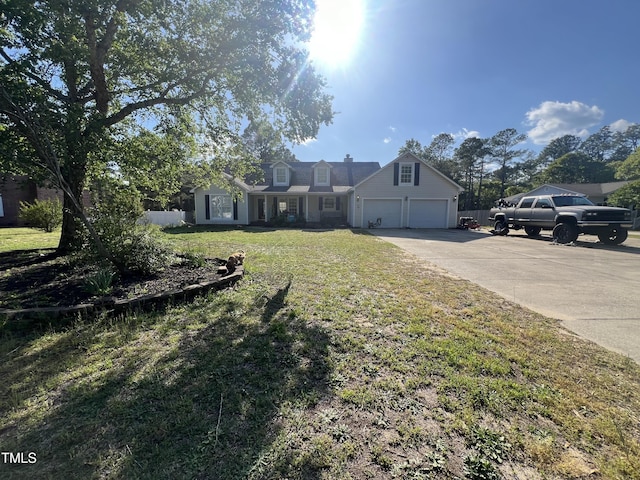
(615, 236)
(532, 231)
(565, 233)
(500, 227)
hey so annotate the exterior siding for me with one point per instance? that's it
(365, 184)
(381, 185)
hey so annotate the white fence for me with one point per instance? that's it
(173, 218)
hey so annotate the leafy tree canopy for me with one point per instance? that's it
(630, 168)
(75, 74)
(627, 196)
(577, 167)
(502, 146)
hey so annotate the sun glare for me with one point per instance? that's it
(336, 31)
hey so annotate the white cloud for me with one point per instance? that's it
(308, 141)
(387, 140)
(620, 125)
(465, 133)
(393, 129)
(555, 119)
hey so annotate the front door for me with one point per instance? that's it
(261, 209)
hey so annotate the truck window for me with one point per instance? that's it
(570, 201)
(527, 202)
(543, 203)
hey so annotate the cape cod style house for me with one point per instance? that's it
(405, 193)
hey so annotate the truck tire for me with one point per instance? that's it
(500, 227)
(532, 231)
(565, 233)
(615, 236)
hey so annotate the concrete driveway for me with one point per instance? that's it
(592, 288)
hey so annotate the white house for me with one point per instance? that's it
(407, 192)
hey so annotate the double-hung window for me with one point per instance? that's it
(406, 174)
(329, 203)
(322, 176)
(281, 176)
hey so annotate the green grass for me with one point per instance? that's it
(338, 356)
(27, 239)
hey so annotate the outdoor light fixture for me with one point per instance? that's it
(357, 198)
(455, 197)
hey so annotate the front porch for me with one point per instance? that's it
(328, 208)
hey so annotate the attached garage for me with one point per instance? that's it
(428, 213)
(388, 210)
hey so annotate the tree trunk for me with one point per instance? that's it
(71, 237)
(74, 218)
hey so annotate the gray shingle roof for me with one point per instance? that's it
(343, 175)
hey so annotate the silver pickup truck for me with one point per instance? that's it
(566, 215)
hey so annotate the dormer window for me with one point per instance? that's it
(281, 176)
(322, 176)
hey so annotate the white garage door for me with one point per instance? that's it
(389, 211)
(428, 214)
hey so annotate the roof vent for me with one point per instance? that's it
(348, 158)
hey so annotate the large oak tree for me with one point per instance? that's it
(74, 71)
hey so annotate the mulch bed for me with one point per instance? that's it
(44, 281)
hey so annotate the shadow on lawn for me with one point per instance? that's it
(206, 409)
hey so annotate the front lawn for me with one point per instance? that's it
(338, 356)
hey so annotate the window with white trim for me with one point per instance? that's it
(406, 174)
(289, 205)
(329, 203)
(281, 176)
(221, 207)
(322, 176)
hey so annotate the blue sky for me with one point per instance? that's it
(475, 67)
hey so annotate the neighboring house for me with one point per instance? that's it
(17, 188)
(598, 193)
(407, 192)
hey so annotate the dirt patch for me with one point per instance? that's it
(37, 279)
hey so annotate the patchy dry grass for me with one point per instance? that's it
(337, 357)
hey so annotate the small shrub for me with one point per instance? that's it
(143, 252)
(43, 215)
(479, 468)
(100, 283)
(136, 247)
(491, 445)
(196, 260)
